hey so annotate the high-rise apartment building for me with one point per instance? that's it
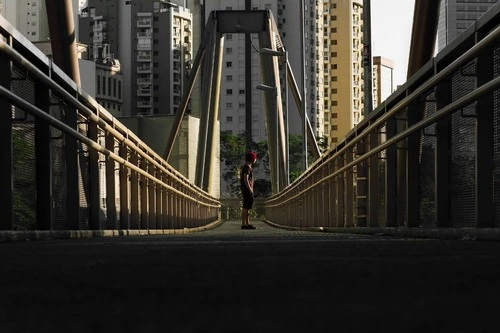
(383, 79)
(30, 17)
(152, 39)
(241, 104)
(343, 80)
(457, 15)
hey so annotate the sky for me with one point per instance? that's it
(391, 22)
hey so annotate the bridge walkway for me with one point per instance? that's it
(264, 280)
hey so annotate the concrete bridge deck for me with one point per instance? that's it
(264, 280)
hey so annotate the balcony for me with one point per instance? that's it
(144, 23)
(144, 81)
(144, 34)
(144, 57)
(144, 104)
(144, 92)
(145, 68)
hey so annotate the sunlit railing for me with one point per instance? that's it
(72, 166)
(428, 157)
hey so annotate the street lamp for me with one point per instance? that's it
(274, 91)
(284, 54)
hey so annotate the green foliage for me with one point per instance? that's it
(233, 151)
(234, 148)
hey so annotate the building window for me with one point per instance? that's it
(229, 119)
(242, 91)
(98, 84)
(229, 78)
(229, 50)
(229, 105)
(119, 89)
(229, 64)
(229, 91)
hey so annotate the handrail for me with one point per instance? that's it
(461, 102)
(16, 100)
(38, 74)
(473, 51)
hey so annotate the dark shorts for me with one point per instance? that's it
(247, 200)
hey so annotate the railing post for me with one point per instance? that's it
(443, 141)
(134, 193)
(361, 186)
(43, 162)
(110, 184)
(143, 184)
(391, 204)
(6, 179)
(159, 200)
(373, 179)
(485, 209)
(124, 187)
(165, 204)
(339, 193)
(94, 183)
(349, 191)
(413, 167)
(152, 198)
(72, 171)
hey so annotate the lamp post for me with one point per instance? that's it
(284, 54)
(274, 91)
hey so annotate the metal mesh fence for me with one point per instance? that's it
(427, 169)
(402, 212)
(23, 148)
(462, 152)
(496, 138)
(58, 165)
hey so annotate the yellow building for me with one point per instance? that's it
(343, 67)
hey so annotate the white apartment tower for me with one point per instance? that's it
(383, 79)
(30, 17)
(242, 105)
(152, 39)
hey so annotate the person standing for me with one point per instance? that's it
(247, 181)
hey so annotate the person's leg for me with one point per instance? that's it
(244, 216)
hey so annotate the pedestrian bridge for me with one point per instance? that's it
(427, 158)
(374, 235)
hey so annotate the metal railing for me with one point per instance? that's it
(72, 166)
(428, 157)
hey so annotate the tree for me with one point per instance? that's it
(233, 151)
